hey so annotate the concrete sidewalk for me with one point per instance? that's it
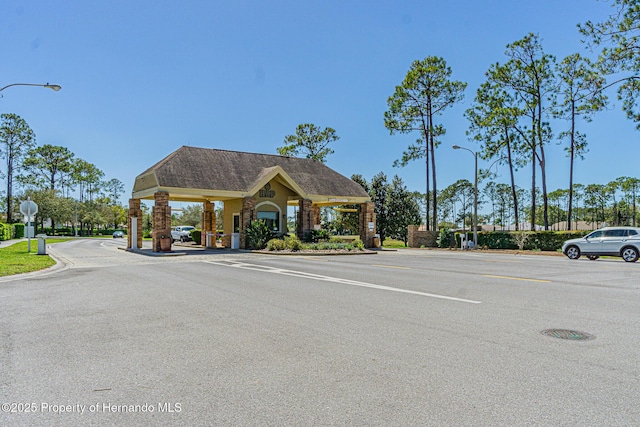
(5, 243)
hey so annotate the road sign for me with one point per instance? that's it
(28, 207)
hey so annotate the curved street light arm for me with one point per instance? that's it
(48, 86)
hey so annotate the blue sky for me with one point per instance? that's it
(142, 78)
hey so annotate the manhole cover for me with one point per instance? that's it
(567, 334)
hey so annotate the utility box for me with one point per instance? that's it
(42, 244)
(235, 241)
(210, 240)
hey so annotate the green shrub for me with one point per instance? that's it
(315, 236)
(495, 240)
(445, 238)
(67, 231)
(357, 244)
(536, 240)
(7, 231)
(276, 245)
(18, 230)
(258, 234)
(329, 246)
(293, 243)
(551, 240)
(196, 236)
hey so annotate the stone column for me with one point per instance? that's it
(161, 214)
(135, 211)
(208, 224)
(305, 218)
(367, 217)
(317, 218)
(247, 215)
(412, 238)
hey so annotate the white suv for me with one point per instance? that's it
(611, 241)
(182, 233)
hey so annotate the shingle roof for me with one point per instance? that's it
(234, 171)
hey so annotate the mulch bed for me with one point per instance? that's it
(310, 252)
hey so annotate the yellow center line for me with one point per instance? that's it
(390, 266)
(516, 278)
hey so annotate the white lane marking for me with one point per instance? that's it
(273, 270)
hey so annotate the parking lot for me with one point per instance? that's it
(409, 337)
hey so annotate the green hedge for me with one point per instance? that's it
(7, 231)
(315, 236)
(69, 231)
(496, 240)
(537, 240)
(551, 240)
(18, 230)
(196, 236)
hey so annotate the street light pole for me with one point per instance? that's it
(55, 88)
(75, 225)
(475, 195)
(48, 86)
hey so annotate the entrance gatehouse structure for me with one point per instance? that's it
(251, 186)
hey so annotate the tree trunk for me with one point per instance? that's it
(634, 208)
(425, 130)
(433, 173)
(9, 187)
(426, 195)
(570, 208)
(514, 193)
(533, 189)
(545, 197)
(543, 172)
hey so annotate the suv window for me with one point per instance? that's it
(633, 233)
(595, 234)
(615, 233)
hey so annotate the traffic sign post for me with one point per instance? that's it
(29, 209)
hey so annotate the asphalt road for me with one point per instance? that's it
(413, 337)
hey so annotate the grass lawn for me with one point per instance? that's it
(15, 259)
(392, 243)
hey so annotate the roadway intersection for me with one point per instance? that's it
(411, 337)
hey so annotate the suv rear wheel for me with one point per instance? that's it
(629, 254)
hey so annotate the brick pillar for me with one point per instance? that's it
(161, 214)
(367, 216)
(135, 211)
(208, 223)
(305, 218)
(317, 218)
(412, 238)
(247, 215)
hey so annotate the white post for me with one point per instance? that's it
(28, 223)
(134, 233)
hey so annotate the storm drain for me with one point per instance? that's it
(568, 334)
